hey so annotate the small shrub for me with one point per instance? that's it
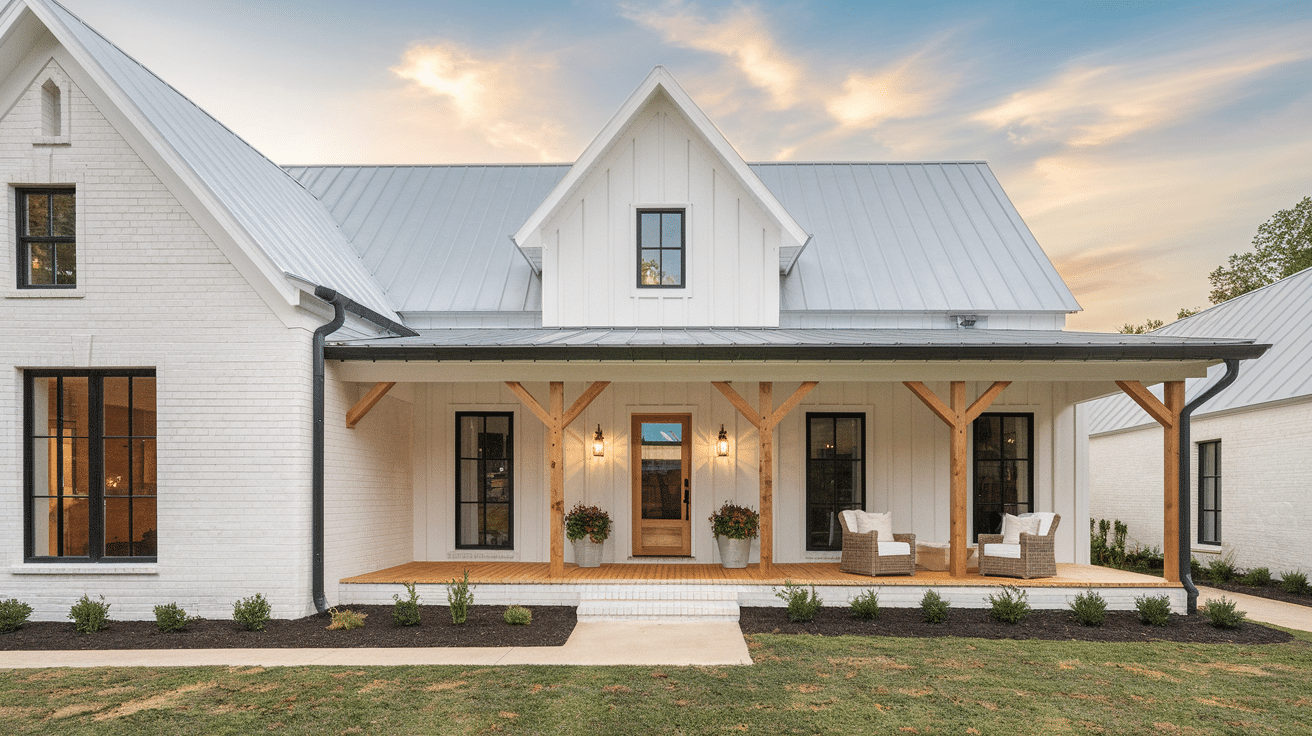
(406, 612)
(170, 618)
(933, 607)
(346, 619)
(13, 615)
(1258, 577)
(1009, 605)
(866, 606)
(1195, 569)
(1222, 569)
(1153, 610)
(802, 606)
(252, 613)
(1089, 608)
(459, 597)
(1222, 614)
(1294, 583)
(517, 616)
(89, 616)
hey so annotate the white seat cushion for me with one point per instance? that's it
(894, 549)
(1014, 526)
(1002, 550)
(1045, 521)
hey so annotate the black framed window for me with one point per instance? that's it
(485, 480)
(661, 240)
(47, 239)
(1209, 492)
(1004, 469)
(835, 475)
(90, 465)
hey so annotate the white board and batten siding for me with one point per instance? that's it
(589, 248)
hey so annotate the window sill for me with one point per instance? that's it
(76, 292)
(59, 568)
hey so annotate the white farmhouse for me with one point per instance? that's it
(220, 377)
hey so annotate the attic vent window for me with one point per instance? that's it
(52, 123)
(661, 244)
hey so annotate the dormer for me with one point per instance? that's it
(660, 223)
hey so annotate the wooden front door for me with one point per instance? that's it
(662, 484)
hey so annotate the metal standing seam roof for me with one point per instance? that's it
(1278, 314)
(275, 210)
(887, 236)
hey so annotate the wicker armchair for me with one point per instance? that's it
(1037, 557)
(861, 554)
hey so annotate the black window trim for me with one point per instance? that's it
(510, 472)
(1203, 510)
(21, 241)
(95, 464)
(806, 490)
(683, 246)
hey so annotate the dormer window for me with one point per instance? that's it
(661, 241)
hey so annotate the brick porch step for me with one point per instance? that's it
(658, 603)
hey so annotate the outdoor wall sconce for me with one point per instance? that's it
(722, 444)
(598, 444)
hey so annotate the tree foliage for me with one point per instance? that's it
(1149, 326)
(1282, 247)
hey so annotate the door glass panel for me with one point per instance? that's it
(662, 470)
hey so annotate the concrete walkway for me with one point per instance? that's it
(1288, 615)
(645, 643)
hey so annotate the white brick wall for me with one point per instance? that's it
(233, 383)
(1266, 500)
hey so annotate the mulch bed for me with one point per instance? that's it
(1120, 626)
(1272, 592)
(551, 626)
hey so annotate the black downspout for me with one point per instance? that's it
(1186, 486)
(317, 451)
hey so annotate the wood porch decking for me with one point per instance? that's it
(810, 573)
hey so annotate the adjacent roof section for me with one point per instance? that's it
(1278, 314)
(277, 214)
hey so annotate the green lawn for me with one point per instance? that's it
(799, 684)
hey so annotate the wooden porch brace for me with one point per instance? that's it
(958, 419)
(1167, 414)
(556, 420)
(765, 420)
(367, 402)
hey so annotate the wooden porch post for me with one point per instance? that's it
(556, 420)
(765, 420)
(1167, 414)
(958, 419)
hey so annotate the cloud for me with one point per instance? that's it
(501, 98)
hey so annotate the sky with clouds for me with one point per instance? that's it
(1143, 141)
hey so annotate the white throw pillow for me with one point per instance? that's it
(1014, 526)
(849, 517)
(870, 522)
(1045, 521)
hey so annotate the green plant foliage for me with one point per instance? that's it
(736, 522)
(933, 607)
(406, 612)
(459, 597)
(866, 605)
(587, 521)
(89, 616)
(1222, 613)
(1222, 569)
(1089, 608)
(171, 618)
(1010, 605)
(1282, 247)
(346, 619)
(1295, 583)
(252, 613)
(1258, 577)
(517, 616)
(802, 606)
(13, 615)
(1195, 568)
(1153, 610)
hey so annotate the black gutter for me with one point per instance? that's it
(699, 353)
(339, 303)
(1186, 486)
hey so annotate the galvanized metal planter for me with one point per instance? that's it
(587, 553)
(734, 553)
